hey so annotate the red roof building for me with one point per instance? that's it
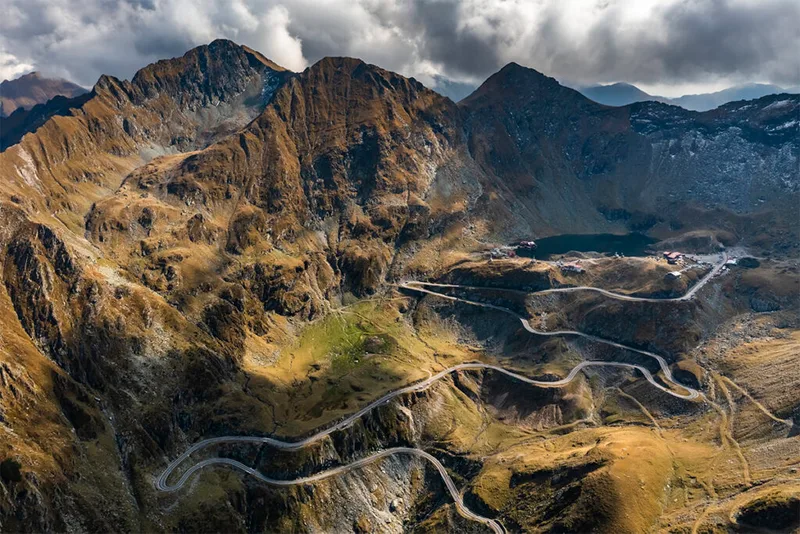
(673, 257)
(572, 268)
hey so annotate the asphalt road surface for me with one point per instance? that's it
(448, 481)
(422, 287)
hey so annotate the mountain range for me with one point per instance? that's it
(31, 89)
(175, 247)
(622, 94)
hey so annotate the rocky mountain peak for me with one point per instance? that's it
(345, 63)
(257, 55)
(514, 83)
(352, 82)
(179, 104)
(35, 75)
(204, 75)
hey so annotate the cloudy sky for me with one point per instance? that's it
(667, 47)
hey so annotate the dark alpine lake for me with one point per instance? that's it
(628, 244)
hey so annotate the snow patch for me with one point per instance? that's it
(779, 104)
(787, 125)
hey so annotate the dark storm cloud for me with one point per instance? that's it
(719, 37)
(640, 41)
(161, 45)
(461, 50)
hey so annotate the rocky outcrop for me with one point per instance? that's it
(588, 166)
(325, 192)
(40, 275)
(88, 144)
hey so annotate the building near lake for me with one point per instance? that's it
(574, 267)
(673, 257)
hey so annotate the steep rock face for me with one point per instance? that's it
(535, 139)
(204, 76)
(588, 166)
(739, 156)
(40, 275)
(82, 152)
(313, 194)
(45, 415)
(79, 366)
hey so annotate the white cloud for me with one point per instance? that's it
(277, 43)
(11, 67)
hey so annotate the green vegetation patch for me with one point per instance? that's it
(355, 342)
(351, 337)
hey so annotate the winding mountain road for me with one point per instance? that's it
(421, 287)
(572, 289)
(161, 482)
(692, 394)
(163, 485)
(358, 464)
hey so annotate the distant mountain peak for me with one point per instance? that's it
(29, 76)
(617, 94)
(514, 66)
(623, 93)
(514, 69)
(514, 82)
(34, 88)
